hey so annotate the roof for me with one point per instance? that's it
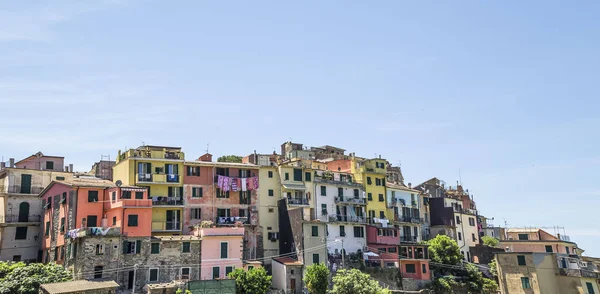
(288, 261)
(252, 262)
(522, 230)
(157, 147)
(36, 155)
(88, 182)
(294, 186)
(226, 164)
(400, 187)
(78, 286)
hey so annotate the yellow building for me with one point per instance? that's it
(269, 194)
(160, 169)
(372, 174)
(297, 187)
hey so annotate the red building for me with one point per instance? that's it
(383, 242)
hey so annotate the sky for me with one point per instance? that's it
(501, 95)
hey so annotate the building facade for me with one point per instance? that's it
(222, 251)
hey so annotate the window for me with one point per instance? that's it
(458, 220)
(16, 258)
(567, 249)
(98, 272)
(155, 248)
(221, 193)
(359, 232)
(369, 196)
(590, 287)
(197, 192)
(424, 267)
(132, 220)
(132, 247)
(271, 210)
(468, 256)
(523, 237)
(315, 231)
(196, 213)
(473, 237)
(113, 196)
(250, 267)
(228, 269)
(271, 192)
(356, 193)
(215, 272)
(369, 182)
(272, 236)
(323, 209)
(411, 269)
(49, 164)
(525, 283)
(99, 249)
(185, 247)
(153, 275)
(377, 182)
(471, 222)
(342, 231)
(92, 196)
(459, 236)
(139, 195)
(521, 260)
(92, 221)
(381, 214)
(114, 221)
(47, 229)
(315, 258)
(185, 273)
(323, 191)
(126, 195)
(392, 250)
(307, 176)
(60, 178)
(193, 171)
(298, 175)
(224, 250)
(548, 248)
(287, 176)
(63, 200)
(381, 199)
(21, 233)
(270, 174)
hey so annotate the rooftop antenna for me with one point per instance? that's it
(207, 145)
(459, 177)
(143, 143)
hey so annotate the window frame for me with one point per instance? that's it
(314, 231)
(521, 261)
(189, 247)
(130, 220)
(221, 250)
(150, 274)
(525, 283)
(153, 246)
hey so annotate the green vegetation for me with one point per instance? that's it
(230, 158)
(444, 250)
(355, 282)
(254, 281)
(490, 241)
(317, 278)
(18, 277)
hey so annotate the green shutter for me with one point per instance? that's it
(124, 247)
(200, 190)
(138, 246)
(181, 192)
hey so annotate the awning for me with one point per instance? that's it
(294, 186)
(133, 189)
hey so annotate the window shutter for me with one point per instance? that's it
(170, 193)
(124, 247)
(189, 170)
(138, 246)
(180, 191)
(200, 190)
(166, 170)
(227, 171)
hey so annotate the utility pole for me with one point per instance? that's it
(135, 267)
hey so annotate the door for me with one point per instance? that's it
(590, 288)
(173, 218)
(25, 184)
(130, 280)
(23, 212)
(293, 285)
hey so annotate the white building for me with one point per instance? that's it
(406, 204)
(341, 203)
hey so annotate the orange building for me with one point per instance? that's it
(537, 240)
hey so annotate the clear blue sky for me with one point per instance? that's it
(505, 91)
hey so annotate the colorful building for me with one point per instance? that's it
(414, 266)
(158, 169)
(383, 241)
(221, 251)
(405, 205)
(537, 240)
(20, 206)
(206, 199)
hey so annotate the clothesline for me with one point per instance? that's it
(226, 183)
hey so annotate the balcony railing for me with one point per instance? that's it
(407, 219)
(350, 200)
(569, 272)
(15, 218)
(166, 226)
(161, 200)
(231, 220)
(412, 239)
(172, 178)
(590, 274)
(297, 201)
(347, 218)
(330, 180)
(144, 177)
(23, 189)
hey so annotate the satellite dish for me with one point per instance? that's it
(118, 183)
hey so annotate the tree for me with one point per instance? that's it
(489, 241)
(317, 278)
(476, 283)
(251, 281)
(26, 279)
(444, 250)
(444, 285)
(493, 268)
(230, 158)
(355, 282)
(489, 286)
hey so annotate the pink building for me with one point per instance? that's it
(221, 251)
(537, 240)
(39, 161)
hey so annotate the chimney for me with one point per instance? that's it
(66, 168)
(11, 162)
(379, 156)
(409, 185)
(206, 157)
(71, 167)
(2, 165)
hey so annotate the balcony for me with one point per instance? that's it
(590, 274)
(570, 272)
(231, 220)
(167, 201)
(298, 201)
(144, 177)
(409, 239)
(18, 189)
(329, 179)
(347, 218)
(166, 226)
(153, 153)
(123, 202)
(407, 219)
(15, 218)
(350, 200)
(158, 178)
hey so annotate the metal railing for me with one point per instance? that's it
(350, 199)
(231, 220)
(166, 226)
(347, 218)
(167, 200)
(172, 178)
(569, 272)
(145, 177)
(322, 179)
(15, 218)
(413, 239)
(297, 201)
(590, 274)
(407, 219)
